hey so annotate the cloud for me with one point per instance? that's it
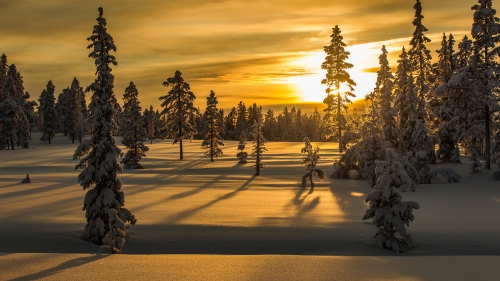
(226, 44)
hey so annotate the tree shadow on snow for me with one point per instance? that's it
(187, 213)
(299, 200)
(61, 267)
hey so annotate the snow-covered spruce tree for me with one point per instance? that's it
(10, 114)
(310, 162)
(134, 133)
(20, 97)
(151, 121)
(48, 108)
(336, 103)
(389, 213)
(420, 58)
(445, 121)
(213, 128)
(361, 155)
(75, 119)
(479, 81)
(62, 110)
(383, 88)
(242, 155)
(414, 135)
(486, 35)
(179, 110)
(104, 202)
(241, 119)
(401, 88)
(3, 74)
(258, 144)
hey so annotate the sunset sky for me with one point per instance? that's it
(268, 52)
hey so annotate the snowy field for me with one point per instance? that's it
(216, 221)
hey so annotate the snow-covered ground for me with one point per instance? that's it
(202, 220)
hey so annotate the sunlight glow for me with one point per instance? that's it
(308, 84)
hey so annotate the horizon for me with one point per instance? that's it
(242, 51)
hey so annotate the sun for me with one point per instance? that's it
(309, 87)
(306, 76)
(306, 73)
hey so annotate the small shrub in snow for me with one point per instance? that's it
(449, 173)
(26, 179)
(389, 213)
(310, 162)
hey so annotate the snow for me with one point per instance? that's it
(228, 224)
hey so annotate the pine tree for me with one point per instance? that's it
(384, 87)
(420, 59)
(3, 74)
(445, 114)
(179, 109)
(10, 114)
(486, 35)
(310, 162)
(415, 138)
(62, 109)
(389, 213)
(48, 108)
(242, 155)
(151, 122)
(258, 144)
(241, 119)
(335, 64)
(104, 202)
(230, 124)
(134, 133)
(213, 128)
(75, 117)
(16, 92)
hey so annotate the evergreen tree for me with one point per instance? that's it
(241, 119)
(401, 88)
(486, 35)
(420, 59)
(62, 109)
(75, 117)
(10, 114)
(335, 64)
(151, 122)
(258, 144)
(242, 155)
(134, 133)
(445, 113)
(49, 114)
(310, 162)
(179, 110)
(270, 126)
(3, 74)
(213, 128)
(383, 88)
(16, 92)
(230, 124)
(104, 202)
(389, 213)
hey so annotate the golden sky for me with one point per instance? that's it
(268, 52)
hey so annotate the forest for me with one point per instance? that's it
(426, 111)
